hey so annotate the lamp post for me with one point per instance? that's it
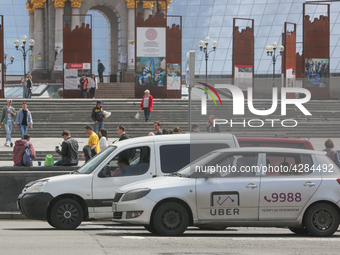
(204, 47)
(270, 49)
(7, 64)
(23, 48)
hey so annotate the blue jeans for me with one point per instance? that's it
(23, 130)
(29, 93)
(84, 93)
(8, 128)
(147, 114)
(58, 163)
(98, 126)
(24, 89)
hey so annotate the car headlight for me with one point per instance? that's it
(135, 194)
(35, 187)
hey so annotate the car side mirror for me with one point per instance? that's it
(107, 170)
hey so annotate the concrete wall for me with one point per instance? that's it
(13, 180)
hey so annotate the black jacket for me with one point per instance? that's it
(69, 152)
(97, 114)
(101, 67)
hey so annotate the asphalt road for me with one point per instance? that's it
(96, 238)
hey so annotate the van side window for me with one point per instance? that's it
(288, 164)
(130, 162)
(175, 157)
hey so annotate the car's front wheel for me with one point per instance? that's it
(301, 231)
(321, 219)
(66, 214)
(151, 229)
(171, 219)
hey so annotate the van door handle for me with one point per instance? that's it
(154, 176)
(309, 184)
(251, 186)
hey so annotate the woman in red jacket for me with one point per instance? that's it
(147, 105)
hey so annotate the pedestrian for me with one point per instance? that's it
(195, 128)
(23, 119)
(93, 146)
(24, 85)
(68, 152)
(101, 69)
(157, 127)
(151, 134)
(121, 132)
(331, 153)
(7, 118)
(147, 105)
(94, 85)
(19, 149)
(177, 130)
(98, 116)
(211, 128)
(29, 87)
(84, 84)
(103, 141)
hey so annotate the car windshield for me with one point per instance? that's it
(96, 160)
(205, 160)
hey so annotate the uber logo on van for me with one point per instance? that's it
(225, 198)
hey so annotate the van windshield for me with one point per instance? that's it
(96, 160)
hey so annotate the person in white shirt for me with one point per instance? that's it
(103, 142)
(94, 85)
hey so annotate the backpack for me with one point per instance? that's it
(27, 156)
(49, 161)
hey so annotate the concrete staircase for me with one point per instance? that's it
(115, 90)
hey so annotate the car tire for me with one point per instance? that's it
(50, 222)
(301, 231)
(321, 220)
(66, 214)
(170, 219)
(213, 228)
(151, 229)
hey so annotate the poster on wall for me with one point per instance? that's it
(243, 76)
(73, 72)
(151, 52)
(173, 76)
(290, 77)
(316, 72)
(58, 65)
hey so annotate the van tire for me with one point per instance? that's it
(321, 220)
(300, 231)
(151, 229)
(170, 219)
(66, 214)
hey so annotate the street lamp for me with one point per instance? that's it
(7, 64)
(22, 48)
(204, 47)
(270, 49)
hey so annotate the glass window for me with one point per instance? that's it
(258, 9)
(264, 31)
(217, 66)
(260, 43)
(334, 40)
(280, 20)
(264, 65)
(6, 10)
(245, 10)
(189, 32)
(194, 2)
(206, 10)
(276, 31)
(228, 21)
(288, 164)
(267, 20)
(214, 33)
(204, 21)
(192, 10)
(224, 2)
(284, 8)
(232, 10)
(335, 7)
(234, 1)
(180, 2)
(221, 54)
(219, 9)
(224, 43)
(201, 32)
(180, 10)
(226, 32)
(227, 69)
(271, 9)
(187, 43)
(190, 22)
(216, 21)
(130, 162)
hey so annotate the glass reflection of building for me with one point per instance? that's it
(213, 18)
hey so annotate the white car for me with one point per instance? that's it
(239, 187)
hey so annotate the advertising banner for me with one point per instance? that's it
(151, 53)
(73, 73)
(243, 76)
(316, 72)
(173, 76)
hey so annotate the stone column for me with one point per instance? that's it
(75, 5)
(147, 6)
(30, 8)
(59, 13)
(131, 35)
(38, 48)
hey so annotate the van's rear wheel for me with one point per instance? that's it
(170, 219)
(321, 219)
(301, 231)
(66, 214)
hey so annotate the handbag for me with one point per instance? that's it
(137, 116)
(107, 114)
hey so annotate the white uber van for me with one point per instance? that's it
(66, 200)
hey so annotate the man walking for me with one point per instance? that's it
(7, 118)
(69, 151)
(24, 119)
(93, 146)
(24, 85)
(19, 149)
(121, 132)
(98, 116)
(101, 69)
